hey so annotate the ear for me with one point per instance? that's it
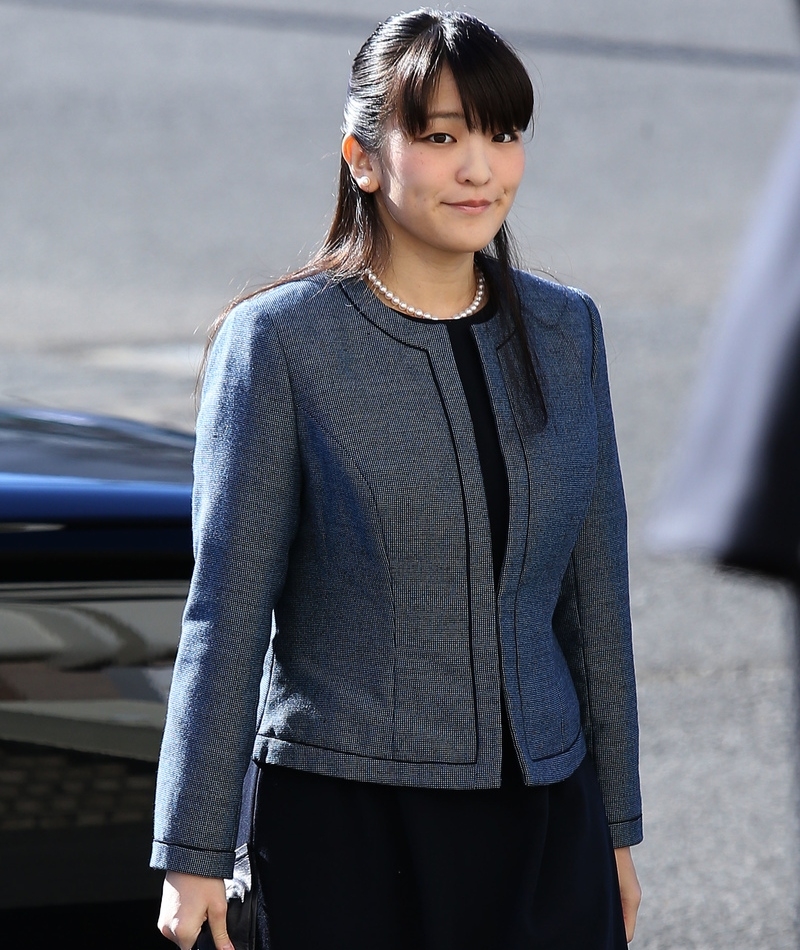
(364, 170)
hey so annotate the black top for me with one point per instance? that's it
(493, 468)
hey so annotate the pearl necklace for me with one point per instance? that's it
(414, 312)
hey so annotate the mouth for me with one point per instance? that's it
(473, 206)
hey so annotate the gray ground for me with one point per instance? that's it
(158, 155)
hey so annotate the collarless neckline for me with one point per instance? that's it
(414, 331)
(480, 316)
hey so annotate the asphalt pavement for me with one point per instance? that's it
(160, 155)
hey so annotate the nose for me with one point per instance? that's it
(475, 168)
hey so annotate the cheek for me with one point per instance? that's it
(514, 170)
(413, 181)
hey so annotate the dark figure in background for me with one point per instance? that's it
(735, 489)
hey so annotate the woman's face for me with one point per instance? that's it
(449, 189)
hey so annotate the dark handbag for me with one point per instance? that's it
(242, 889)
(241, 918)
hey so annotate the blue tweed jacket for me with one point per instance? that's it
(337, 484)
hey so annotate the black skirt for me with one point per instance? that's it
(361, 866)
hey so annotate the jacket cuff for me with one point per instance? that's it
(175, 857)
(625, 834)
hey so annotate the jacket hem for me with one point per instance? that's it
(555, 768)
(484, 773)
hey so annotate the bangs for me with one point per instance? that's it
(494, 87)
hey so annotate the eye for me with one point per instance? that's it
(505, 137)
(440, 138)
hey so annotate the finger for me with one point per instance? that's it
(217, 924)
(222, 941)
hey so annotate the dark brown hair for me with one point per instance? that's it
(393, 81)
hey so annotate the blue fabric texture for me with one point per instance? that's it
(338, 489)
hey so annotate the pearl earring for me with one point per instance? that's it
(364, 182)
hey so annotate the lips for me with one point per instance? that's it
(472, 207)
(469, 204)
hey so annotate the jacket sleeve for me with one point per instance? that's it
(592, 622)
(244, 513)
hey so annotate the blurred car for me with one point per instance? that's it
(95, 561)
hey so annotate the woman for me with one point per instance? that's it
(406, 453)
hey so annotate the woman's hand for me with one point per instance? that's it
(629, 889)
(187, 901)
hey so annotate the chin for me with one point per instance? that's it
(471, 247)
(477, 241)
